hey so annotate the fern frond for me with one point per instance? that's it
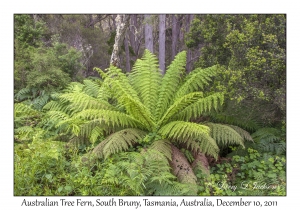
(145, 78)
(225, 135)
(270, 134)
(163, 146)
(23, 132)
(74, 87)
(118, 142)
(249, 124)
(170, 83)
(81, 101)
(115, 78)
(185, 131)
(24, 93)
(196, 80)
(40, 101)
(21, 109)
(109, 118)
(202, 105)
(105, 92)
(137, 110)
(55, 105)
(96, 133)
(180, 104)
(244, 134)
(270, 140)
(91, 88)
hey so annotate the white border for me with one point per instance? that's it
(8, 201)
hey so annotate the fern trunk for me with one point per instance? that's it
(201, 162)
(181, 167)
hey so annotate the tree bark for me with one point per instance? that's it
(189, 52)
(133, 32)
(148, 34)
(162, 41)
(174, 36)
(127, 54)
(122, 22)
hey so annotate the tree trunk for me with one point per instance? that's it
(174, 36)
(162, 41)
(122, 22)
(127, 54)
(148, 34)
(133, 32)
(189, 52)
(201, 162)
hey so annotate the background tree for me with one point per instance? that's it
(148, 33)
(162, 39)
(252, 48)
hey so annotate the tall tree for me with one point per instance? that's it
(174, 36)
(162, 40)
(189, 19)
(122, 22)
(133, 30)
(148, 33)
(127, 54)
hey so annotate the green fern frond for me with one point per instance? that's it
(56, 105)
(196, 80)
(163, 146)
(271, 134)
(179, 105)
(108, 117)
(274, 147)
(96, 133)
(202, 105)
(244, 134)
(118, 142)
(270, 140)
(23, 132)
(74, 87)
(21, 109)
(145, 78)
(136, 109)
(56, 116)
(184, 131)
(23, 94)
(91, 88)
(105, 92)
(81, 101)
(249, 124)
(40, 101)
(170, 83)
(116, 77)
(225, 135)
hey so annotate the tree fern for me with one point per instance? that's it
(145, 111)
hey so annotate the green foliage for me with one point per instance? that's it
(255, 174)
(270, 140)
(253, 50)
